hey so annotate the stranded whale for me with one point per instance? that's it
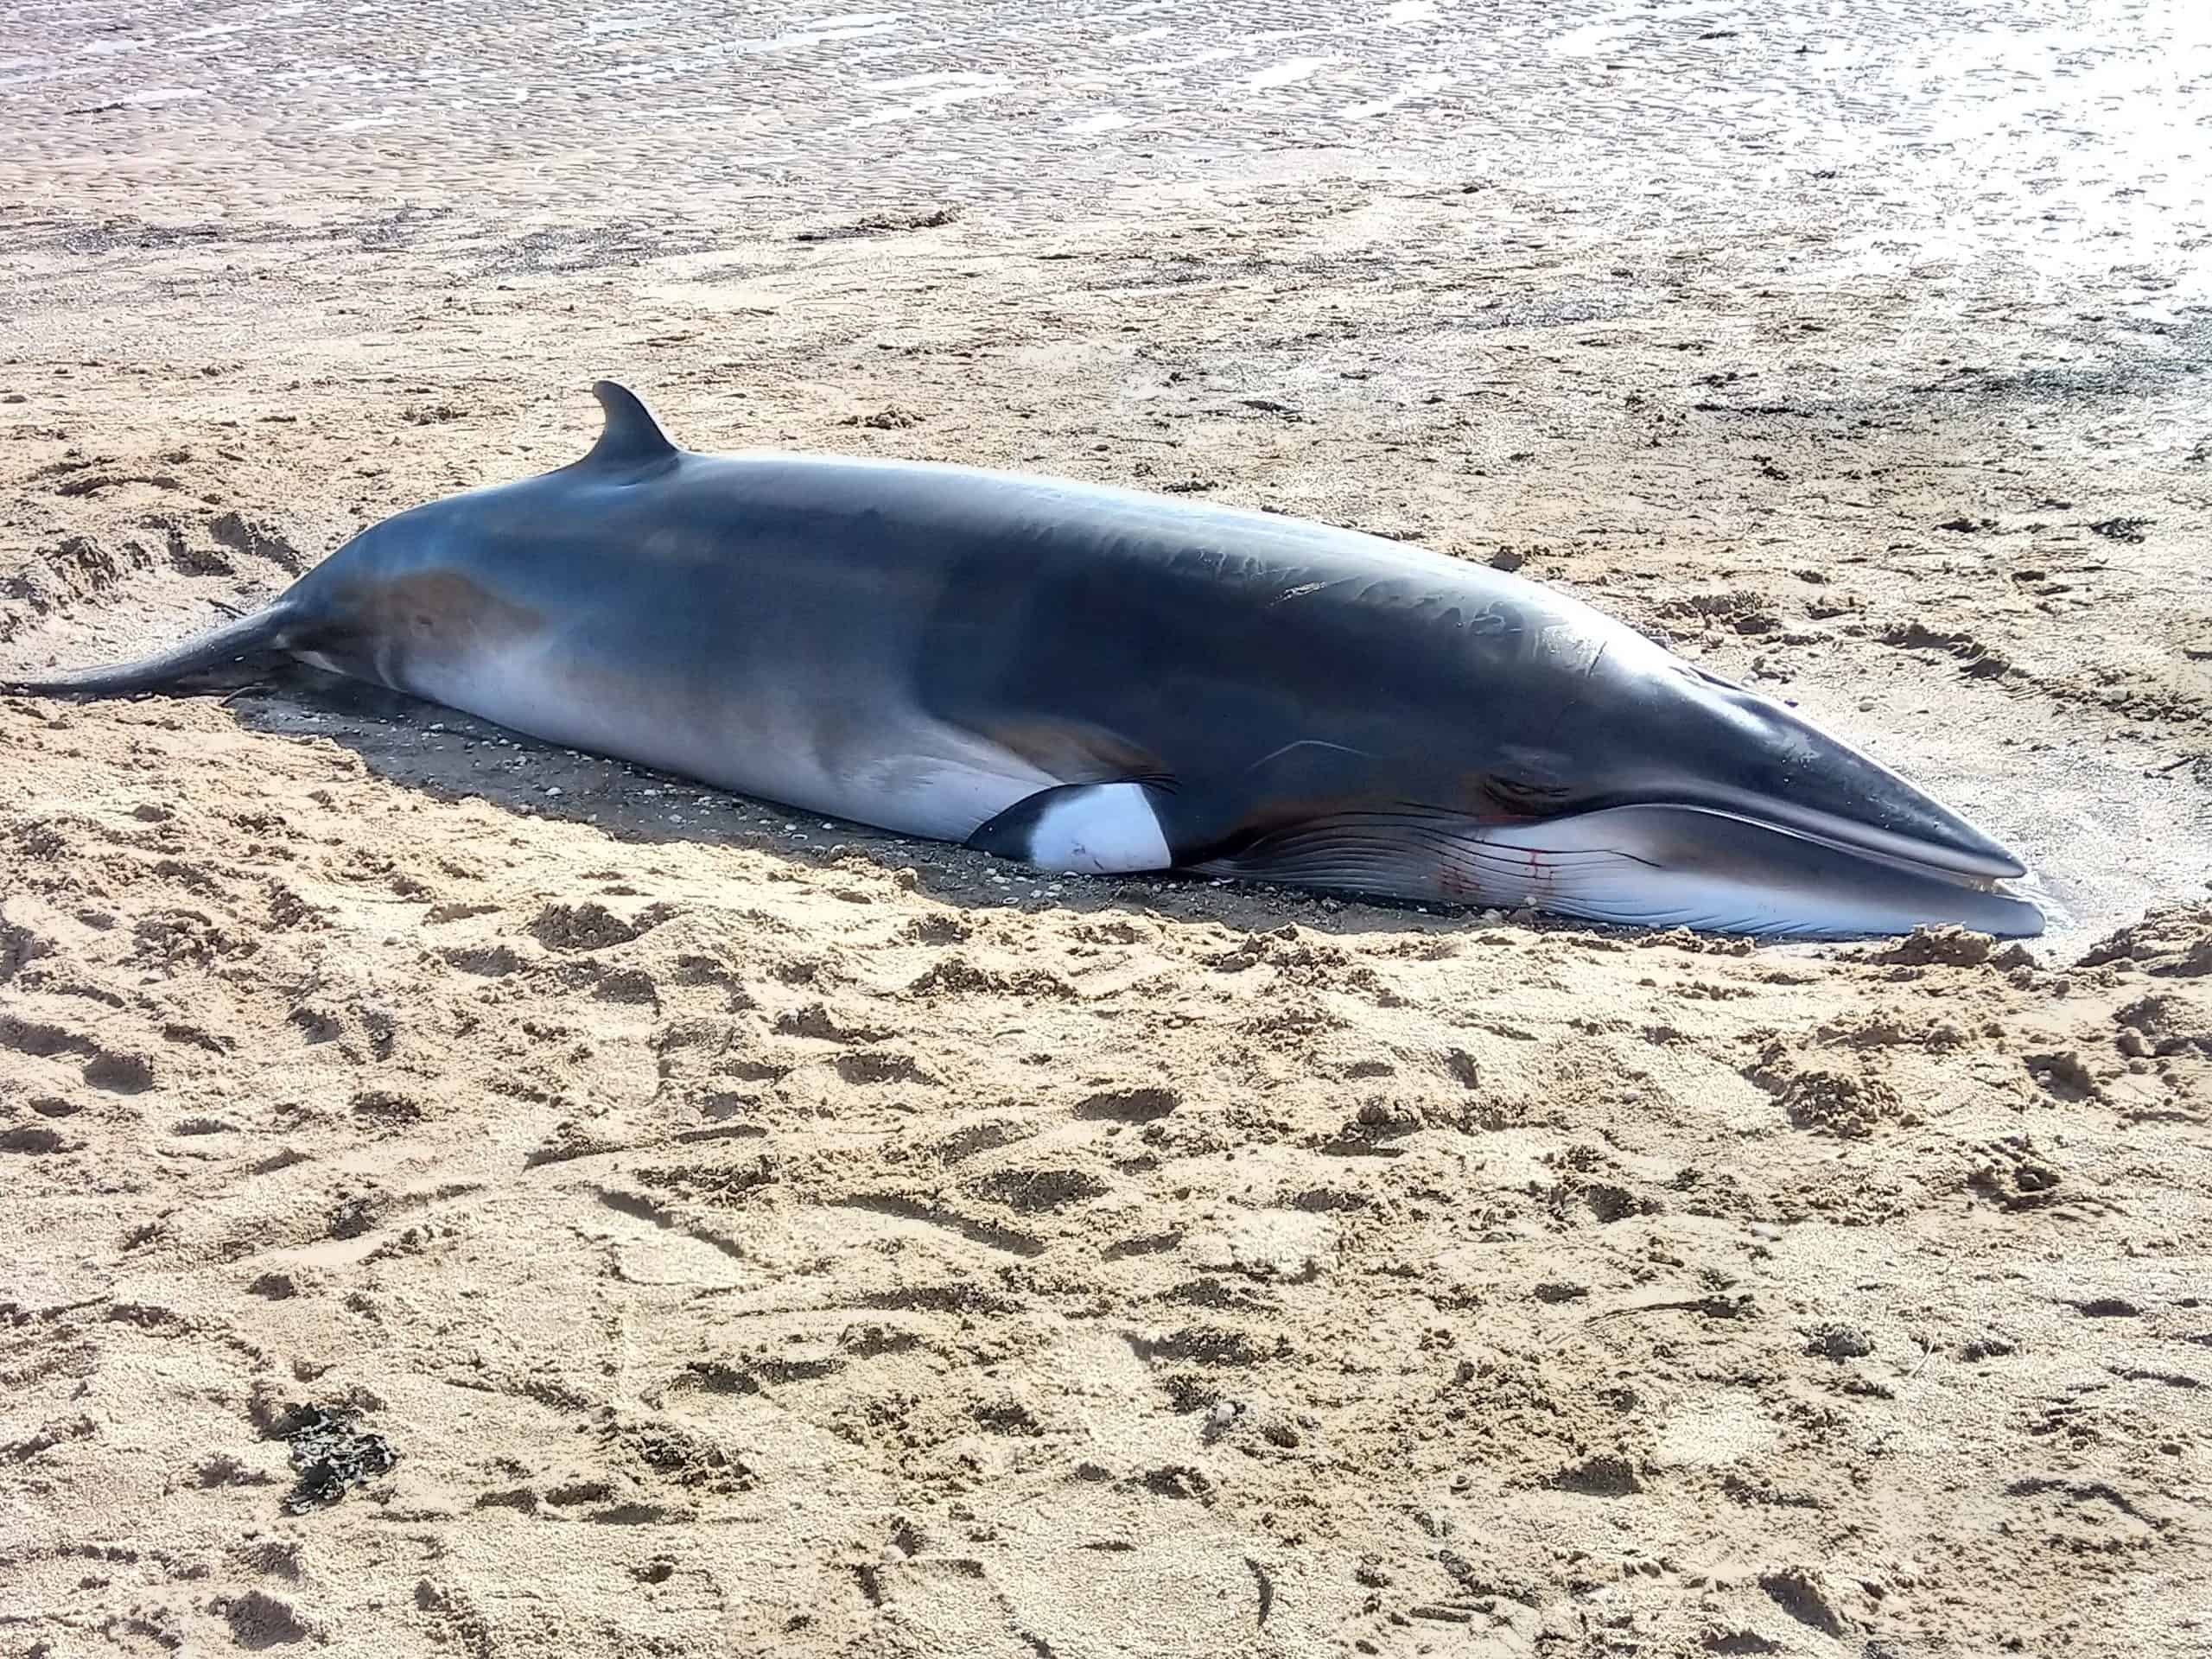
(1101, 680)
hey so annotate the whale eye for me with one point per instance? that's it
(1524, 797)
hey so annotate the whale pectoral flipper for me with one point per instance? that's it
(1083, 829)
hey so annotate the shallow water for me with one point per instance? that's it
(2067, 136)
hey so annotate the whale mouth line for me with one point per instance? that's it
(1867, 844)
(1898, 849)
(1737, 868)
(1941, 868)
(1653, 863)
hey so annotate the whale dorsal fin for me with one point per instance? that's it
(630, 439)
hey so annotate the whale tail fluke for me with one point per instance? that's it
(261, 630)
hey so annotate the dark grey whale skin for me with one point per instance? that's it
(936, 650)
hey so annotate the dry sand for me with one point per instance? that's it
(757, 1235)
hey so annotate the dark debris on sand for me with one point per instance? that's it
(332, 1452)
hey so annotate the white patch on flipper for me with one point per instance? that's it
(1107, 829)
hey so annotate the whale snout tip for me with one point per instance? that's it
(1741, 751)
(1931, 833)
(1973, 854)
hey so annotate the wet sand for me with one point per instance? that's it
(757, 1235)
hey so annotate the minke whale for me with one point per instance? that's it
(1100, 681)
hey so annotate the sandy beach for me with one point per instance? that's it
(467, 1198)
